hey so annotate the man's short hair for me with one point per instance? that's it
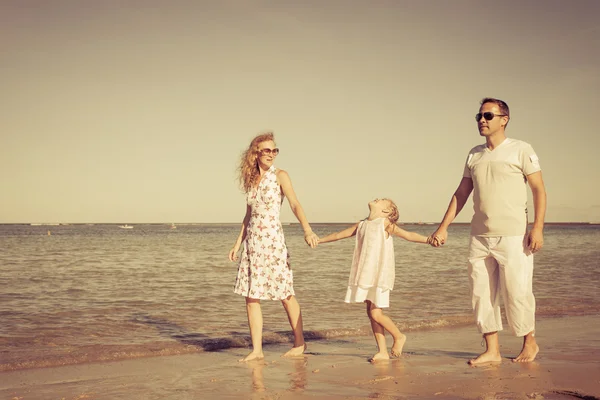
(501, 104)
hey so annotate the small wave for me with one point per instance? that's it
(189, 343)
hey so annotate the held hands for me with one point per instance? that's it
(438, 238)
(535, 239)
(311, 239)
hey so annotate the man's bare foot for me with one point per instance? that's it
(486, 358)
(528, 353)
(397, 346)
(295, 351)
(252, 356)
(380, 357)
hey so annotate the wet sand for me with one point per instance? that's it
(434, 365)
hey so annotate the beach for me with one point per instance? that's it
(100, 312)
(434, 365)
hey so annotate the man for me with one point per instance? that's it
(501, 250)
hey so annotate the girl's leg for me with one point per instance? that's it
(255, 322)
(379, 333)
(376, 314)
(292, 308)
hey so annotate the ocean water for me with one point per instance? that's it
(87, 293)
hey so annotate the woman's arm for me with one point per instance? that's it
(346, 233)
(236, 247)
(288, 191)
(395, 230)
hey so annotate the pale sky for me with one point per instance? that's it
(137, 111)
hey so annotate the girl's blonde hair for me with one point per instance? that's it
(394, 214)
(248, 172)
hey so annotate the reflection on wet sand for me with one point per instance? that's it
(298, 375)
(258, 382)
(386, 370)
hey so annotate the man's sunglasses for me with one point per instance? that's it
(268, 152)
(488, 116)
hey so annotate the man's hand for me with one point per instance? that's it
(535, 239)
(438, 238)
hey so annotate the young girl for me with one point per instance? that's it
(372, 273)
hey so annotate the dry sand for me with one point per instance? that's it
(434, 366)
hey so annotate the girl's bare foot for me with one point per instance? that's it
(295, 351)
(380, 357)
(486, 358)
(528, 352)
(252, 356)
(398, 345)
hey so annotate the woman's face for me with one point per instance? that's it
(267, 153)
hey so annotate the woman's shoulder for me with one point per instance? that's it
(281, 174)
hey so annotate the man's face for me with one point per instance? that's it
(488, 127)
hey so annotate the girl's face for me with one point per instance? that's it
(380, 206)
(267, 153)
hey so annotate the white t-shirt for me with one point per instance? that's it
(500, 187)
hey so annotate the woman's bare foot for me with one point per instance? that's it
(252, 356)
(397, 346)
(486, 358)
(295, 351)
(380, 357)
(528, 352)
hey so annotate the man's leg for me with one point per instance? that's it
(516, 275)
(485, 297)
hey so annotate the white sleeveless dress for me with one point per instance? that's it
(264, 271)
(373, 265)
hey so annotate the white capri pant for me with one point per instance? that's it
(502, 266)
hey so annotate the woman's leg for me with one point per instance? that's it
(255, 322)
(292, 308)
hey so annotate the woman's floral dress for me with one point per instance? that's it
(264, 271)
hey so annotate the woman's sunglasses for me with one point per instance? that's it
(488, 116)
(268, 152)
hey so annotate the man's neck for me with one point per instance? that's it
(496, 140)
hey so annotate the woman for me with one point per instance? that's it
(264, 271)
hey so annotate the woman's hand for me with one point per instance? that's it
(311, 239)
(233, 253)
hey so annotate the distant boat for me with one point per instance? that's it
(126, 226)
(173, 226)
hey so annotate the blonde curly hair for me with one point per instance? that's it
(394, 214)
(248, 171)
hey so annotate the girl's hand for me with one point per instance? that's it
(233, 254)
(311, 239)
(438, 238)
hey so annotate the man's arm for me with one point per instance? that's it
(457, 202)
(535, 237)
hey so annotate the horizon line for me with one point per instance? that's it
(283, 222)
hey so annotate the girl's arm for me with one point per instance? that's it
(236, 247)
(288, 191)
(395, 230)
(346, 233)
